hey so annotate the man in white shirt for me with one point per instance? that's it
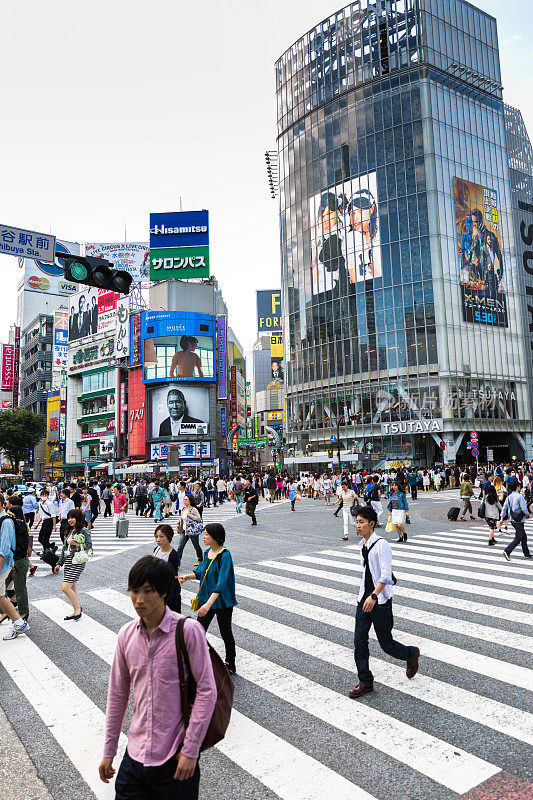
(374, 605)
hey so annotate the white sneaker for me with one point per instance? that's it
(16, 630)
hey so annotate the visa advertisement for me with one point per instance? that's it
(178, 346)
(179, 245)
(480, 260)
(40, 276)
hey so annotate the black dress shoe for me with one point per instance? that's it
(412, 664)
(360, 690)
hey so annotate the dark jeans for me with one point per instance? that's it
(250, 510)
(520, 537)
(63, 528)
(20, 571)
(30, 518)
(45, 532)
(223, 616)
(382, 619)
(108, 512)
(141, 504)
(414, 491)
(196, 545)
(135, 782)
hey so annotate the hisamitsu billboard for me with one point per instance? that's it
(269, 311)
(179, 229)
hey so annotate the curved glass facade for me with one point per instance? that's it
(397, 246)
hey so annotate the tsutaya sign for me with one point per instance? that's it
(411, 426)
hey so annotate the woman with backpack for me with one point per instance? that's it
(492, 509)
(77, 542)
(501, 494)
(216, 595)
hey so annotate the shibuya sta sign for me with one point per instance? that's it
(411, 426)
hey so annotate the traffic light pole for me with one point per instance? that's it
(339, 443)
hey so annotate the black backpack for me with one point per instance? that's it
(22, 537)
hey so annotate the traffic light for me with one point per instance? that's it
(330, 453)
(93, 271)
(442, 446)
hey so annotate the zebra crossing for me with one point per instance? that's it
(462, 722)
(141, 532)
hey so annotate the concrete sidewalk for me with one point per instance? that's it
(18, 776)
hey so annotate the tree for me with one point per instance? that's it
(20, 430)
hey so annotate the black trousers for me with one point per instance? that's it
(520, 537)
(30, 518)
(107, 510)
(250, 510)
(414, 491)
(223, 616)
(141, 504)
(45, 532)
(136, 782)
(382, 620)
(63, 528)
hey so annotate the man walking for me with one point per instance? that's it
(374, 605)
(515, 507)
(251, 499)
(161, 759)
(8, 545)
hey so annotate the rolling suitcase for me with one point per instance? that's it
(122, 528)
(453, 513)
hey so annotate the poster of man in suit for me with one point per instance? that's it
(179, 411)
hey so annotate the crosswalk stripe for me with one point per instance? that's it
(491, 713)
(74, 721)
(512, 615)
(425, 580)
(449, 654)
(470, 536)
(416, 553)
(485, 633)
(249, 745)
(480, 551)
(406, 562)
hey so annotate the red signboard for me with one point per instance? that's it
(16, 367)
(233, 396)
(8, 357)
(136, 414)
(110, 426)
(123, 408)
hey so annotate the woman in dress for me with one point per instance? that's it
(78, 538)
(426, 480)
(190, 527)
(493, 509)
(398, 508)
(501, 494)
(164, 550)
(216, 594)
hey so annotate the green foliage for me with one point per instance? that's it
(20, 430)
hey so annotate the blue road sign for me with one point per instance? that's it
(333, 439)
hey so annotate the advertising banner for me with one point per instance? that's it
(345, 236)
(8, 358)
(274, 416)
(179, 245)
(178, 346)
(135, 333)
(59, 356)
(222, 363)
(133, 257)
(276, 357)
(233, 396)
(40, 276)
(480, 260)
(16, 367)
(107, 446)
(260, 442)
(136, 414)
(53, 425)
(122, 328)
(179, 411)
(92, 311)
(223, 423)
(187, 451)
(269, 311)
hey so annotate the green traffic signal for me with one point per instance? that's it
(78, 270)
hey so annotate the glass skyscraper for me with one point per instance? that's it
(404, 314)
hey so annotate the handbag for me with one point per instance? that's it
(195, 603)
(82, 555)
(222, 711)
(389, 528)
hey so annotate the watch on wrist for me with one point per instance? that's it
(374, 596)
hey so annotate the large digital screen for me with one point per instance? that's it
(345, 236)
(179, 411)
(178, 346)
(480, 258)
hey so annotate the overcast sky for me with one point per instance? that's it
(114, 109)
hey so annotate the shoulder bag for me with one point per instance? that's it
(195, 603)
(222, 711)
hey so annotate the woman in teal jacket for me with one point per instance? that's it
(216, 594)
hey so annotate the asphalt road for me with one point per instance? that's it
(463, 722)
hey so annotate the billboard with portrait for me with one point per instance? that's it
(179, 411)
(178, 346)
(480, 263)
(92, 311)
(345, 235)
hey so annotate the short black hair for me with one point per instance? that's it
(513, 486)
(16, 500)
(167, 530)
(158, 573)
(16, 512)
(367, 512)
(216, 531)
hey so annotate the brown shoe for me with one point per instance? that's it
(412, 664)
(360, 690)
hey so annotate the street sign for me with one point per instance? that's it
(27, 244)
(468, 445)
(333, 439)
(475, 452)
(369, 446)
(490, 455)
(473, 435)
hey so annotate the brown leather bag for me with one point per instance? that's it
(222, 711)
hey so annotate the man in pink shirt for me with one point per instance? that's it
(161, 759)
